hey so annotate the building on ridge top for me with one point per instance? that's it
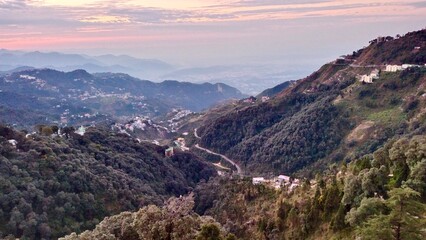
(250, 99)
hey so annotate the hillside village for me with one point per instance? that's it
(374, 75)
(277, 182)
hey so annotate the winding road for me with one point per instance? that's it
(196, 134)
(239, 171)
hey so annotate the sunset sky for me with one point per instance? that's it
(203, 32)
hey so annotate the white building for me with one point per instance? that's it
(405, 66)
(258, 180)
(283, 179)
(369, 78)
(81, 131)
(366, 79)
(13, 142)
(265, 98)
(393, 68)
(375, 74)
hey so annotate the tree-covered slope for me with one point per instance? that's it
(329, 115)
(377, 196)
(176, 220)
(51, 186)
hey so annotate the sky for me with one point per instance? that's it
(206, 32)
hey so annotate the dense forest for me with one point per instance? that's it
(378, 196)
(175, 220)
(53, 185)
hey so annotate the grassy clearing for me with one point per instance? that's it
(388, 116)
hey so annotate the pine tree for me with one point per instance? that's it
(407, 217)
(406, 220)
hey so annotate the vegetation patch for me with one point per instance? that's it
(388, 117)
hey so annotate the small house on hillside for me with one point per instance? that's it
(258, 180)
(12, 142)
(369, 78)
(250, 99)
(380, 39)
(366, 79)
(169, 152)
(265, 98)
(283, 179)
(81, 131)
(375, 74)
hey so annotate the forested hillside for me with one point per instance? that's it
(51, 186)
(377, 196)
(329, 116)
(176, 220)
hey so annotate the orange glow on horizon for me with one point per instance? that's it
(56, 23)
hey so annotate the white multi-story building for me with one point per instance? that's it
(393, 68)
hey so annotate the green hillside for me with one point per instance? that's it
(52, 186)
(329, 116)
(378, 196)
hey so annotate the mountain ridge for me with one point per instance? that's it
(107, 94)
(291, 132)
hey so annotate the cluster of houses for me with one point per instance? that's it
(178, 115)
(139, 124)
(80, 131)
(277, 182)
(395, 68)
(252, 99)
(369, 78)
(66, 117)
